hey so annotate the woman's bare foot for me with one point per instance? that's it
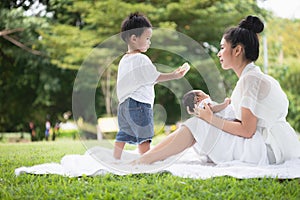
(139, 161)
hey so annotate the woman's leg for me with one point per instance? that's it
(173, 144)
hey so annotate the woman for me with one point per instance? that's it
(261, 134)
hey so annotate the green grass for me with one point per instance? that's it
(142, 186)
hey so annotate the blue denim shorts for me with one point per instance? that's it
(135, 121)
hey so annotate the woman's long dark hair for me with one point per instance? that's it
(246, 34)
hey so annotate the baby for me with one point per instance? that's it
(198, 98)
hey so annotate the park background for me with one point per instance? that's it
(44, 43)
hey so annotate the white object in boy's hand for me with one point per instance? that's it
(185, 67)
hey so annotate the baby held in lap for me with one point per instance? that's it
(197, 98)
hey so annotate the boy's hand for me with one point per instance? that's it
(185, 67)
(181, 71)
(177, 74)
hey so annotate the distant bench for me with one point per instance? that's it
(107, 125)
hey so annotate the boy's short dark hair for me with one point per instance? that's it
(188, 100)
(134, 24)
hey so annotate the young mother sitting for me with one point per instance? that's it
(261, 135)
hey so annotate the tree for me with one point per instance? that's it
(31, 87)
(68, 34)
(283, 58)
(82, 25)
(19, 73)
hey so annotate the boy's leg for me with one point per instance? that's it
(119, 146)
(144, 147)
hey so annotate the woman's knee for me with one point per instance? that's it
(187, 135)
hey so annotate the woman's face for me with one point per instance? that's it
(225, 54)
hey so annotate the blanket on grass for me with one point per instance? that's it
(99, 161)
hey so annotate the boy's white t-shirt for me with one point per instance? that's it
(136, 78)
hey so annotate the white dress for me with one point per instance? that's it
(226, 113)
(263, 95)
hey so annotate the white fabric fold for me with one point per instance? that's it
(99, 161)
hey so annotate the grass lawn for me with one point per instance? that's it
(142, 186)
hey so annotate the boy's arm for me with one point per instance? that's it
(221, 106)
(168, 76)
(177, 74)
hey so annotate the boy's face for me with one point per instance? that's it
(143, 42)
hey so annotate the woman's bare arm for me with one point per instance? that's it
(244, 128)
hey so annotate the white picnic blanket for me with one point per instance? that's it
(99, 161)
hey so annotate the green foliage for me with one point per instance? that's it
(31, 87)
(141, 186)
(291, 85)
(283, 54)
(289, 78)
(97, 21)
(285, 43)
(19, 75)
(38, 80)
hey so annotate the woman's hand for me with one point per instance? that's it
(227, 101)
(188, 110)
(204, 113)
